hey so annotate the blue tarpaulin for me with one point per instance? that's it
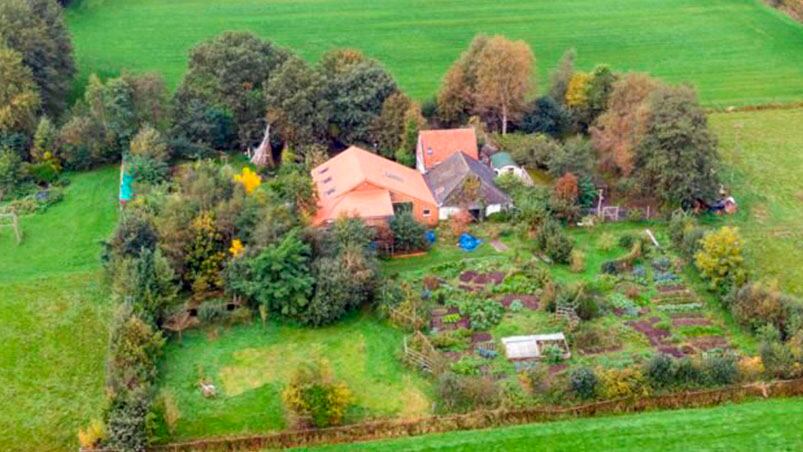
(468, 242)
(430, 236)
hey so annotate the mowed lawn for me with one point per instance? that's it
(735, 51)
(251, 364)
(54, 316)
(772, 425)
(763, 152)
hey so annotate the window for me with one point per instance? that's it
(429, 151)
(402, 207)
(427, 212)
(323, 170)
(330, 192)
(327, 180)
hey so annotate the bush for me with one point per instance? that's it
(313, 393)
(485, 314)
(127, 420)
(467, 365)
(688, 373)
(553, 241)
(606, 241)
(777, 357)
(627, 240)
(583, 382)
(757, 304)
(627, 382)
(461, 394)
(720, 369)
(660, 371)
(553, 354)
(408, 234)
(587, 308)
(516, 306)
(720, 258)
(577, 261)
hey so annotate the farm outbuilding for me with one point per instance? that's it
(503, 163)
(533, 346)
(446, 181)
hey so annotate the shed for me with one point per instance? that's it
(503, 163)
(533, 346)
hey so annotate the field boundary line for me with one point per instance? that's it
(391, 429)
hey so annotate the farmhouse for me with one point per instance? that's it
(448, 182)
(436, 146)
(362, 184)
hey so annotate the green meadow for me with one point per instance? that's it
(763, 156)
(759, 425)
(736, 52)
(55, 311)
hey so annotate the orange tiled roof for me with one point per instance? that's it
(358, 182)
(439, 145)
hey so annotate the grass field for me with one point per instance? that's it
(251, 364)
(54, 312)
(761, 425)
(735, 51)
(762, 151)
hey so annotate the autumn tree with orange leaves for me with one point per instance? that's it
(619, 130)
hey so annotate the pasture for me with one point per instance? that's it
(737, 52)
(55, 310)
(762, 154)
(759, 425)
(250, 365)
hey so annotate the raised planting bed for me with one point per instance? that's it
(656, 336)
(706, 343)
(671, 350)
(669, 288)
(690, 320)
(481, 279)
(444, 319)
(481, 336)
(529, 301)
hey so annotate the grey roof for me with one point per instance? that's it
(447, 178)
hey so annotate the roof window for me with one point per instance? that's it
(323, 170)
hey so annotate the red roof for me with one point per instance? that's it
(358, 183)
(438, 145)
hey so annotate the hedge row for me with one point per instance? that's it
(485, 419)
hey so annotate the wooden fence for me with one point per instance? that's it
(388, 429)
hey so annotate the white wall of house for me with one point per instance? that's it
(444, 212)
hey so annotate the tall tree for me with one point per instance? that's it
(504, 77)
(356, 88)
(296, 105)
(456, 97)
(561, 76)
(620, 129)
(397, 126)
(36, 29)
(229, 71)
(491, 79)
(19, 99)
(676, 160)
